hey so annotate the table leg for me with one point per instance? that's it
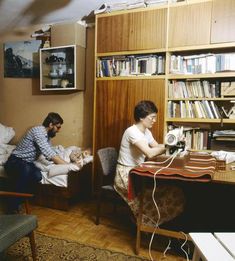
(139, 220)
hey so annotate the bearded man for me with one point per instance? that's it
(20, 168)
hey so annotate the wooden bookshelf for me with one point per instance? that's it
(184, 28)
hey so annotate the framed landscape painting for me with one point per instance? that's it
(21, 59)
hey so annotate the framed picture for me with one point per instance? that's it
(21, 59)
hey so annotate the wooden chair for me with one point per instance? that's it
(15, 226)
(108, 161)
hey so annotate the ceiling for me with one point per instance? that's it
(17, 13)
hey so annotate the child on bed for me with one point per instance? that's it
(74, 156)
(78, 156)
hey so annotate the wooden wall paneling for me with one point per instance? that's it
(112, 33)
(147, 29)
(223, 20)
(153, 90)
(111, 111)
(132, 31)
(190, 24)
(115, 102)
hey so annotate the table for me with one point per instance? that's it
(213, 247)
(228, 242)
(225, 177)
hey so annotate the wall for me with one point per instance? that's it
(22, 104)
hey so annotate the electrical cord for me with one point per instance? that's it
(182, 246)
(154, 201)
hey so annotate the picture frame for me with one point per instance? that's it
(21, 59)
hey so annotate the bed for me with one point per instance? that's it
(61, 197)
(61, 184)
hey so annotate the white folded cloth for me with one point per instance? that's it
(224, 155)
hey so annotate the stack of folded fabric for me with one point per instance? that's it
(193, 166)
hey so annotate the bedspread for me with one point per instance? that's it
(5, 152)
(57, 174)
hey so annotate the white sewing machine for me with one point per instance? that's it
(175, 140)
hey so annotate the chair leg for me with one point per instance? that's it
(33, 245)
(98, 206)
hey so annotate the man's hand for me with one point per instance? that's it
(58, 160)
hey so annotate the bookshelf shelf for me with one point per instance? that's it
(149, 51)
(130, 77)
(202, 99)
(200, 120)
(202, 76)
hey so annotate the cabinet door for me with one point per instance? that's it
(132, 31)
(110, 113)
(115, 101)
(223, 19)
(153, 90)
(189, 25)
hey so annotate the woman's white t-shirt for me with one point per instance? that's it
(129, 154)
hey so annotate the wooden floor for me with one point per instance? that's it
(115, 232)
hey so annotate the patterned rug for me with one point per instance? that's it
(55, 249)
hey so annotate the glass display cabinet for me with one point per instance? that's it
(62, 68)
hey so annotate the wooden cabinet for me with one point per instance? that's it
(115, 102)
(62, 68)
(223, 19)
(132, 31)
(189, 25)
(179, 29)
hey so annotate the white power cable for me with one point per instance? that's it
(186, 239)
(154, 201)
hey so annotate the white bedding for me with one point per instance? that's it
(58, 174)
(62, 179)
(51, 173)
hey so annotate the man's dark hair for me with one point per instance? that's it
(143, 109)
(53, 118)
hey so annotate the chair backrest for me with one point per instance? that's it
(108, 160)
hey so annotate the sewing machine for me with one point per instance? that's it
(175, 140)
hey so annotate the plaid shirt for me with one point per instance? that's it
(34, 143)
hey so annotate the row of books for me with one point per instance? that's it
(196, 139)
(203, 63)
(193, 89)
(204, 139)
(130, 65)
(193, 109)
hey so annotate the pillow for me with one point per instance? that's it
(6, 134)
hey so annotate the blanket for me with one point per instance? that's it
(192, 167)
(6, 135)
(70, 154)
(5, 152)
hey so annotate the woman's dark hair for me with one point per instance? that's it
(53, 118)
(143, 109)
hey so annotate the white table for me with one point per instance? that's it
(208, 247)
(228, 241)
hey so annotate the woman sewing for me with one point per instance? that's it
(138, 144)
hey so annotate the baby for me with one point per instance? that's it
(77, 156)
